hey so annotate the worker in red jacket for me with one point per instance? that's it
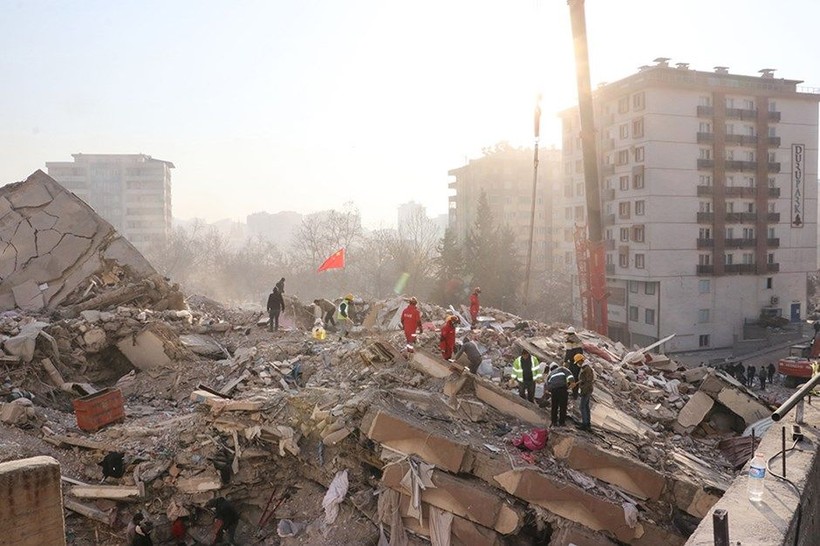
(474, 306)
(411, 321)
(448, 337)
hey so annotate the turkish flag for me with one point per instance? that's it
(336, 261)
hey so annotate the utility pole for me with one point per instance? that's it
(532, 204)
(595, 258)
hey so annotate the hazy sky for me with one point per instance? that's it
(307, 104)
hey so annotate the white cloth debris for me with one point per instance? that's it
(418, 477)
(630, 514)
(336, 493)
(441, 523)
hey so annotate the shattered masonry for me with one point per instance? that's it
(217, 406)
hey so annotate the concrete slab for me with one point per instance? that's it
(31, 507)
(691, 415)
(509, 403)
(28, 296)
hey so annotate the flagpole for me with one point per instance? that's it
(532, 205)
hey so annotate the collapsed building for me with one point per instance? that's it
(329, 441)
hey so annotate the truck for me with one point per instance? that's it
(797, 367)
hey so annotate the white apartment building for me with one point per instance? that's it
(708, 199)
(131, 191)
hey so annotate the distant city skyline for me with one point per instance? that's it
(307, 106)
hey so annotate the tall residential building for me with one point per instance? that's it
(708, 201)
(277, 227)
(131, 191)
(411, 216)
(505, 174)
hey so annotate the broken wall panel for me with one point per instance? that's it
(51, 243)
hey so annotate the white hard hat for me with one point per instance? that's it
(570, 330)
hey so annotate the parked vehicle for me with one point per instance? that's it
(797, 367)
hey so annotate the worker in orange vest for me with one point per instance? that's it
(447, 344)
(474, 306)
(411, 321)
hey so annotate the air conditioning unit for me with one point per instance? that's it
(774, 300)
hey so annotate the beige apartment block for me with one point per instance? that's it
(709, 201)
(131, 191)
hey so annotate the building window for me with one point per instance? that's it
(703, 340)
(624, 180)
(748, 233)
(771, 182)
(633, 287)
(705, 153)
(770, 258)
(704, 127)
(750, 155)
(748, 258)
(750, 181)
(568, 213)
(704, 259)
(730, 102)
(623, 209)
(633, 313)
(772, 206)
(703, 316)
(637, 128)
(772, 132)
(705, 206)
(624, 234)
(730, 206)
(705, 100)
(730, 155)
(748, 104)
(730, 181)
(769, 282)
(638, 234)
(579, 189)
(771, 233)
(637, 181)
(705, 233)
(640, 261)
(730, 233)
(704, 286)
(649, 288)
(638, 101)
(623, 157)
(750, 130)
(640, 208)
(623, 105)
(639, 153)
(729, 258)
(772, 157)
(579, 213)
(623, 131)
(623, 260)
(772, 106)
(730, 129)
(649, 316)
(705, 180)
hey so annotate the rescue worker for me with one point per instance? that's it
(585, 384)
(572, 347)
(526, 372)
(475, 306)
(281, 286)
(770, 372)
(447, 340)
(131, 530)
(750, 376)
(343, 316)
(470, 348)
(558, 380)
(326, 309)
(411, 321)
(276, 305)
(761, 375)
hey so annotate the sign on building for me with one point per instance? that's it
(798, 185)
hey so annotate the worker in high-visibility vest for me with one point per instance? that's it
(526, 371)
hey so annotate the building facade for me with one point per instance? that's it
(505, 175)
(709, 210)
(131, 191)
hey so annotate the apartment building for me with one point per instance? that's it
(708, 201)
(505, 174)
(131, 191)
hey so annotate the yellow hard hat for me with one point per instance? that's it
(349, 297)
(578, 358)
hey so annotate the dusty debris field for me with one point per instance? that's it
(353, 441)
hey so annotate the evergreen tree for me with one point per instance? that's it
(449, 270)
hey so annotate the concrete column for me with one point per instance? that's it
(31, 503)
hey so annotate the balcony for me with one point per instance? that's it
(739, 268)
(706, 164)
(741, 165)
(741, 217)
(706, 138)
(773, 268)
(607, 170)
(706, 111)
(706, 243)
(773, 218)
(741, 191)
(742, 140)
(741, 113)
(609, 220)
(706, 217)
(773, 141)
(741, 243)
(610, 269)
(773, 167)
(774, 192)
(608, 195)
(773, 243)
(706, 270)
(774, 116)
(705, 191)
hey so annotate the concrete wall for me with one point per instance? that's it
(773, 521)
(31, 503)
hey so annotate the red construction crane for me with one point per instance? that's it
(590, 255)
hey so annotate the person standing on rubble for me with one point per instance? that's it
(470, 348)
(475, 307)
(411, 321)
(585, 384)
(750, 376)
(447, 340)
(526, 372)
(281, 286)
(326, 310)
(761, 375)
(572, 347)
(558, 381)
(343, 312)
(770, 369)
(276, 304)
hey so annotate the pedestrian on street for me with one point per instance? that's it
(761, 374)
(411, 321)
(447, 340)
(343, 312)
(525, 370)
(276, 305)
(750, 376)
(558, 380)
(572, 347)
(475, 307)
(585, 385)
(770, 372)
(470, 348)
(326, 310)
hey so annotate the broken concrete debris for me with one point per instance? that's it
(301, 433)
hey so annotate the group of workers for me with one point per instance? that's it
(328, 313)
(746, 375)
(226, 520)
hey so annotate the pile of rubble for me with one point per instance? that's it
(342, 441)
